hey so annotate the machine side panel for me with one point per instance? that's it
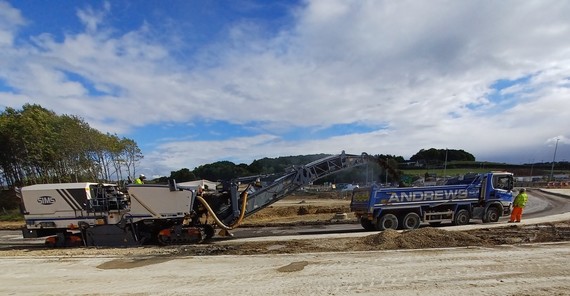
(156, 201)
(59, 202)
(78, 196)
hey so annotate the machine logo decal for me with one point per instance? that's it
(46, 200)
(69, 199)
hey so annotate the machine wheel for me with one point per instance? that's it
(411, 221)
(209, 231)
(367, 224)
(492, 215)
(388, 221)
(164, 240)
(461, 217)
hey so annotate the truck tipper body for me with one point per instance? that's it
(485, 196)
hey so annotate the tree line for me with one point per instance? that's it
(39, 146)
(227, 170)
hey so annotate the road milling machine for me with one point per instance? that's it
(98, 214)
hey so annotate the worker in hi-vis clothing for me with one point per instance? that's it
(140, 179)
(518, 205)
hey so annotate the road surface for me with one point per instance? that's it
(539, 269)
(523, 269)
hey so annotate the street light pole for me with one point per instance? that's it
(445, 166)
(386, 169)
(553, 158)
(531, 167)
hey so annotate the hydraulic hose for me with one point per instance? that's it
(218, 221)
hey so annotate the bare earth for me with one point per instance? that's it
(526, 259)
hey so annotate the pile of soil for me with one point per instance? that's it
(421, 238)
(427, 237)
(11, 225)
(331, 194)
(300, 210)
(538, 233)
(304, 211)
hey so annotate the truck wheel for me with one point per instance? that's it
(492, 215)
(411, 221)
(461, 217)
(367, 224)
(388, 221)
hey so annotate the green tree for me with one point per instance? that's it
(39, 146)
(438, 156)
(131, 155)
(183, 175)
(221, 170)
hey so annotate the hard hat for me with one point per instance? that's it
(141, 176)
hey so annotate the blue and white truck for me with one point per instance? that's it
(485, 196)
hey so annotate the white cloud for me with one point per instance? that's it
(92, 18)
(422, 69)
(190, 154)
(10, 20)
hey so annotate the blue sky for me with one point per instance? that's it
(194, 82)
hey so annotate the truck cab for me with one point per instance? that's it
(495, 197)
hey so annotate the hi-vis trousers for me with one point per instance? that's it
(516, 215)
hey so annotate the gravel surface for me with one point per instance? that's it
(525, 269)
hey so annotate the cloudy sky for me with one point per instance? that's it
(194, 82)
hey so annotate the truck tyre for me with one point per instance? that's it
(461, 217)
(388, 221)
(492, 215)
(367, 224)
(411, 221)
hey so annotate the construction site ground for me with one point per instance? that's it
(528, 258)
(333, 208)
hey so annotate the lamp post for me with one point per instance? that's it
(445, 166)
(553, 158)
(531, 167)
(386, 172)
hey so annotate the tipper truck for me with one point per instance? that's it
(485, 196)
